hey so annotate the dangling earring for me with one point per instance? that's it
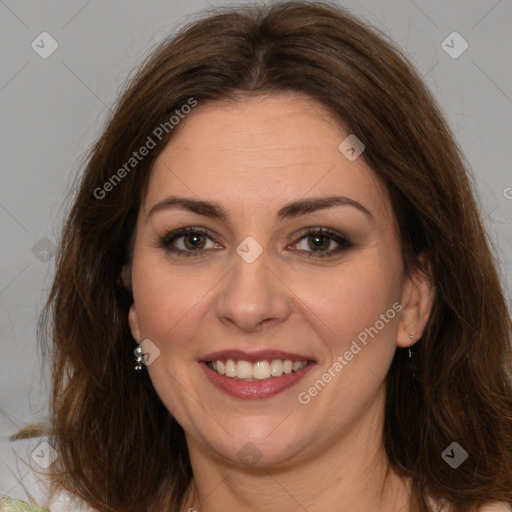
(409, 357)
(138, 359)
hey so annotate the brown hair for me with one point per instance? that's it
(120, 449)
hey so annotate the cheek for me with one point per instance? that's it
(162, 297)
(359, 315)
(354, 296)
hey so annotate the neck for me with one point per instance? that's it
(350, 475)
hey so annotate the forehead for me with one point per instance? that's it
(267, 150)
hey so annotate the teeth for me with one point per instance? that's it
(276, 368)
(230, 368)
(256, 371)
(297, 366)
(243, 370)
(261, 370)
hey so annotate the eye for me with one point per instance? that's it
(320, 241)
(192, 241)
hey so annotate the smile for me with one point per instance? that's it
(255, 375)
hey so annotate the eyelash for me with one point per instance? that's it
(343, 242)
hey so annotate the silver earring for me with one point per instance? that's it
(410, 359)
(138, 360)
(409, 353)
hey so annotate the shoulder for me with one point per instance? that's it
(23, 475)
(65, 502)
(497, 507)
(490, 507)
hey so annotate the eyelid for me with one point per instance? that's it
(334, 233)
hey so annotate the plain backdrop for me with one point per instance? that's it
(53, 108)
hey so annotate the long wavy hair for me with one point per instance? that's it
(120, 449)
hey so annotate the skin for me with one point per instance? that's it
(254, 156)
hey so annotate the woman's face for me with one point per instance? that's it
(304, 327)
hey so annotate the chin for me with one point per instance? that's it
(261, 445)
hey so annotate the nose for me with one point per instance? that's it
(253, 295)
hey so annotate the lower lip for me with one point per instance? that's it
(255, 389)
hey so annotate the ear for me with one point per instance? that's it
(417, 299)
(126, 276)
(134, 323)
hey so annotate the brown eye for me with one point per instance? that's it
(321, 239)
(192, 241)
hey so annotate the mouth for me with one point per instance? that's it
(258, 375)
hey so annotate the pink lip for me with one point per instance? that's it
(254, 389)
(253, 357)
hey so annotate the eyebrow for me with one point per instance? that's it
(216, 211)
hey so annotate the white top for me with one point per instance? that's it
(17, 477)
(66, 503)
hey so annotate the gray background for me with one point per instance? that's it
(53, 109)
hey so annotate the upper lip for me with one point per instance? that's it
(253, 357)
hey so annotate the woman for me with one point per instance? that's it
(274, 290)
